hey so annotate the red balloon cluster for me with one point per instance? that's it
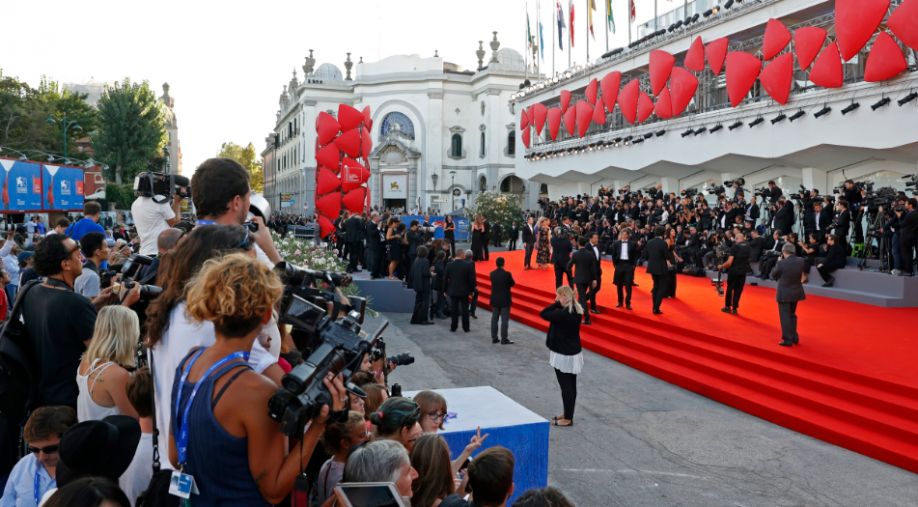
(342, 170)
(674, 87)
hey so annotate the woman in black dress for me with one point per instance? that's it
(565, 354)
(394, 242)
(478, 238)
(449, 234)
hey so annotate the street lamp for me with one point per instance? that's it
(65, 128)
(452, 187)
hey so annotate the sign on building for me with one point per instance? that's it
(395, 186)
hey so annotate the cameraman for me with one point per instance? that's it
(221, 195)
(774, 192)
(224, 437)
(152, 218)
(737, 267)
(908, 234)
(854, 194)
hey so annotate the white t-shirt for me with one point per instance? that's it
(150, 220)
(180, 337)
(136, 478)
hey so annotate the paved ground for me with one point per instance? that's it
(639, 441)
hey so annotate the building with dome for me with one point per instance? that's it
(441, 134)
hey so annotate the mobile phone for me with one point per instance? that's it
(369, 494)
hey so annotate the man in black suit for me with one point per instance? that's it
(658, 265)
(353, 236)
(420, 282)
(790, 276)
(561, 255)
(501, 281)
(624, 255)
(473, 304)
(460, 282)
(593, 246)
(842, 224)
(513, 233)
(783, 218)
(529, 238)
(908, 232)
(583, 267)
(737, 265)
(486, 239)
(375, 239)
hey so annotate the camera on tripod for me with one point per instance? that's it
(161, 186)
(129, 273)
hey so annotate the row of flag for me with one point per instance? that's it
(590, 8)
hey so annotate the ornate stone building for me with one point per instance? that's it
(441, 134)
(173, 148)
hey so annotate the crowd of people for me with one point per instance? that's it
(126, 389)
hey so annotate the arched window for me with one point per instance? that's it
(482, 183)
(398, 120)
(455, 146)
(511, 143)
(481, 151)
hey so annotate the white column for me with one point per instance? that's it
(815, 178)
(670, 185)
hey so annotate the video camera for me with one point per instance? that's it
(161, 186)
(912, 183)
(129, 273)
(715, 189)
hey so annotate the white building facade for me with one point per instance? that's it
(440, 134)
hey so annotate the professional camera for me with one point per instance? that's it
(884, 197)
(379, 351)
(689, 192)
(161, 187)
(716, 189)
(129, 274)
(912, 183)
(721, 253)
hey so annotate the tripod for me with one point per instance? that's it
(874, 224)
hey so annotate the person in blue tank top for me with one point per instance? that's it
(222, 435)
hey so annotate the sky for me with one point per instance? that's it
(226, 62)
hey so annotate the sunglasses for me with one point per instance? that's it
(51, 449)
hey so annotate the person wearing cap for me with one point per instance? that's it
(102, 448)
(398, 419)
(37, 472)
(26, 271)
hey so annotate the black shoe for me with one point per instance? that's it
(786, 344)
(452, 330)
(734, 312)
(627, 307)
(427, 323)
(495, 340)
(506, 342)
(829, 282)
(725, 309)
(473, 316)
(465, 330)
(594, 310)
(657, 312)
(618, 305)
(796, 341)
(587, 322)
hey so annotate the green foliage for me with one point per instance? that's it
(132, 133)
(503, 209)
(247, 158)
(120, 196)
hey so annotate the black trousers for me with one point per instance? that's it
(421, 307)
(907, 252)
(511, 244)
(624, 280)
(473, 304)
(354, 253)
(459, 305)
(788, 314)
(735, 284)
(594, 291)
(560, 271)
(583, 297)
(825, 272)
(527, 254)
(501, 314)
(568, 384)
(659, 290)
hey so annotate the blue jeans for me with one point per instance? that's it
(11, 290)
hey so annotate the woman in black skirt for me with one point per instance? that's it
(449, 234)
(565, 354)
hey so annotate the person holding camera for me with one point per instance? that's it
(908, 235)
(152, 217)
(236, 294)
(737, 266)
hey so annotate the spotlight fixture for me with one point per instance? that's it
(648, 135)
(715, 9)
(617, 140)
(824, 111)
(678, 24)
(708, 12)
(908, 98)
(736, 125)
(796, 116)
(695, 17)
(688, 132)
(660, 133)
(781, 117)
(883, 102)
(702, 130)
(715, 128)
(851, 108)
(728, 4)
(756, 121)
(638, 140)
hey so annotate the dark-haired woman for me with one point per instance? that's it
(435, 481)
(339, 438)
(89, 492)
(449, 234)
(394, 243)
(398, 419)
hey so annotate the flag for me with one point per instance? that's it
(610, 19)
(571, 27)
(592, 7)
(633, 11)
(541, 40)
(529, 39)
(561, 25)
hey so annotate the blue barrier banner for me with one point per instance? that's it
(438, 221)
(21, 185)
(63, 188)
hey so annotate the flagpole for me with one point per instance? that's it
(570, 30)
(655, 19)
(586, 36)
(554, 29)
(527, 45)
(608, 6)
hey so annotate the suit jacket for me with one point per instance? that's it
(784, 218)
(374, 242)
(529, 234)
(836, 257)
(501, 281)
(420, 274)
(460, 279)
(583, 264)
(598, 260)
(616, 253)
(657, 252)
(353, 229)
(788, 272)
(561, 250)
(563, 331)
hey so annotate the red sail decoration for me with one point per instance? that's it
(554, 122)
(565, 100)
(591, 91)
(355, 199)
(827, 70)
(885, 61)
(683, 85)
(329, 156)
(716, 52)
(664, 106)
(644, 107)
(329, 205)
(807, 43)
(904, 23)
(694, 58)
(570, 120)
(742, 70)
(777, 37)
(628, 99)
(609, 86)
(661, 65)
(353, 174)
(855, 23)
(584, 116)
(599, 113)
(366, 143)
(349, 142)
(326, 226)
(524, 119)
(777, 78)
(348, 117)
(327, 128)
(367, 119)
(526, 137)
(326, 181)
(539, 112)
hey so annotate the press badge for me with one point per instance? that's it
(182, 485)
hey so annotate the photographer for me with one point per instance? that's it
(151, 218)
(909, 235)
(737, 267)
(854, 194)
(236, 294)
(783, 219)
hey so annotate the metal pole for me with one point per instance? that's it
(553, 30)
(655, 18)
(586, 36)
(64, 126)
(608, 7)
(570, 30)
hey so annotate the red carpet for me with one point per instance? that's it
(853, 381)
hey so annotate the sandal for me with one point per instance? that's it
(557, 422)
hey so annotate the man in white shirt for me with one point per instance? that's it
(152, 218)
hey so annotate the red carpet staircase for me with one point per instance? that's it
(867, 415)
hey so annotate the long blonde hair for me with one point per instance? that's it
(565, 291)
(115, 336)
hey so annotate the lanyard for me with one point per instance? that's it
(181, 442)
(202, 221)
(36, 488)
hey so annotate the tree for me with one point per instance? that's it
(503, 209)
(248, 159)
(132, 129)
